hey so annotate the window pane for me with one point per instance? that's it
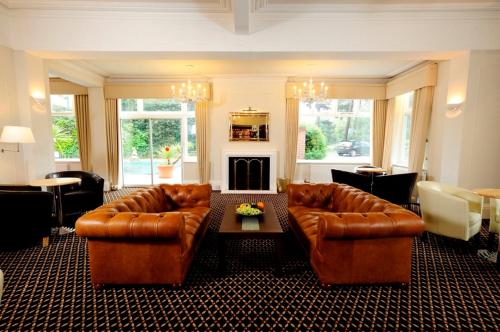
(167, 133)
(191, 139)
(161, 105)
(335, 130)
(65, 137)
(61, 103)
(402, 129)
(135, 152)
(128, 105)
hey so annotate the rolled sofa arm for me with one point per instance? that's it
(131, 225)
(369, 225)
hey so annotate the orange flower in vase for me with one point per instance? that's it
(172, 154)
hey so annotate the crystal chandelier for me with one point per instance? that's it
(189, 91)
(309, 92)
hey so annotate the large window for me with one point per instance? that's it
(337, 130)
(148, 126)
(402, 129)
(64, 130)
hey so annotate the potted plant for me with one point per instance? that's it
(171, 154)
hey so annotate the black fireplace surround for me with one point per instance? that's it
(249, 173)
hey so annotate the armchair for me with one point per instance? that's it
(80, 197)
(26, 217)
(396, 188)
(450, 211)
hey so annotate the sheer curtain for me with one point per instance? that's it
(291, 134)
(420, 120)
(388, 134)
(378, 132)
(111, 115)
(83, 131)
(202, 141)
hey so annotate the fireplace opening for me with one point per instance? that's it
(249, 173)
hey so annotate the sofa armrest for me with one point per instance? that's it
(311, 195)
(131, 225)
(369, 225)
(475, 201)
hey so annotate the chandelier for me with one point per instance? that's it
(310, 92)
(189, 91)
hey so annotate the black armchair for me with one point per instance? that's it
(26, 216)
(359, 181)
(80, 197)
(395, 188)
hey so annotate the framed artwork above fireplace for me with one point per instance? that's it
(249, 126)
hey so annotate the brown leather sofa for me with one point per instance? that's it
(352, 237)
(147, 237)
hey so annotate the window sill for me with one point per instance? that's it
(69, 160)
(326, 162)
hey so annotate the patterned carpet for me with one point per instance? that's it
(48, 289)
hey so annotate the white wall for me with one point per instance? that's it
(465, 150)
(238, 93)
(9, 161)
(480, 158)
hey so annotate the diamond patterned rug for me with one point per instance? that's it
(49, 289)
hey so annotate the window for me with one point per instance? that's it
(64, 131)
(402, 129)
(337, 130)
(147, 127)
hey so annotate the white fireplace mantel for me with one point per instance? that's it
(226, 154)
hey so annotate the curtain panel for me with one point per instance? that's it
(83, 131)
(378, 132)
(291, 135)
(111, 115)
(388, 134)
(202, 141)
(420, 120)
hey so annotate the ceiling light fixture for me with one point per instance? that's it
(310, 92)
(188, 91)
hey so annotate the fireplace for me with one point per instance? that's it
(248, 172)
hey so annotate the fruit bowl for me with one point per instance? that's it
(247, 210)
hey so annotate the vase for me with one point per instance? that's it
(165, 171)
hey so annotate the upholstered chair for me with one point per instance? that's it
(355, 180)
(80, 197)
(450, 211)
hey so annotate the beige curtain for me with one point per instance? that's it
(83, 129)
(202, 141)
(378, 132)
(388, 133)
(111, 109)
(420, 120)
(291, 133)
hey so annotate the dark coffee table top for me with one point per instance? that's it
(268, 225)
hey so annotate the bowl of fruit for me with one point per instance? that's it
(250, 210)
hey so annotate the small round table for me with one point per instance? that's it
(494, 196)
(56, 183)
(370, 170)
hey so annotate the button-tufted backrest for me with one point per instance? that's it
(311, 195)
(143, 200)
(186, 195)
(350, 199)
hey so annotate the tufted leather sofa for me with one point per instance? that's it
(147, 237)
(351, 236)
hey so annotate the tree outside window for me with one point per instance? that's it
(64, 130)
(336, 130)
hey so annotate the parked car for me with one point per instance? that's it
(353, 148)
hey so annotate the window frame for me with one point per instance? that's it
(71, 114)
(333, 114)
(183, 115)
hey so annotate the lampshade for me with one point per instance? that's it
(16, 134)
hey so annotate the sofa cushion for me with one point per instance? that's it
(306, 220)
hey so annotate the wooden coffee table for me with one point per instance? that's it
(269, 228)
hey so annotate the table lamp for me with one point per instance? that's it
(17, 135)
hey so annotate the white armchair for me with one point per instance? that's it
(450, 211)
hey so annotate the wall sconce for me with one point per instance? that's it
(454, 109)
(16, 135)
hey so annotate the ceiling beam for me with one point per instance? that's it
(241, 16)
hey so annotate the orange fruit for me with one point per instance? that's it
(260, 206)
